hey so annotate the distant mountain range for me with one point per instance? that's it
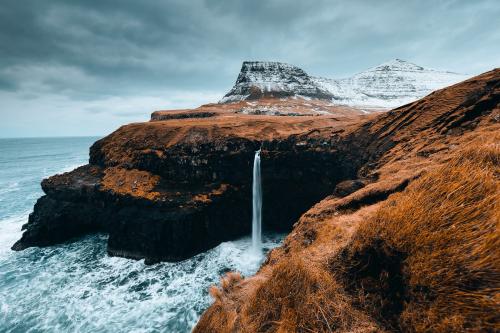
(388, 85)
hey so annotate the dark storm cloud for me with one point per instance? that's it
(121, 42)
(186, 44)
(111, 50)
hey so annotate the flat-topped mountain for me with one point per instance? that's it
(259, 79)
(388, 85)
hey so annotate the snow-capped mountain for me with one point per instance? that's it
(388, 85)
(273, 79)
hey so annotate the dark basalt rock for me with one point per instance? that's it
(173, 225)
(162, 115)
(167, 229)
(166, 190)
(347, 187)
(259, 79)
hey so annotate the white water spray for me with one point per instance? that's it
(257, 205)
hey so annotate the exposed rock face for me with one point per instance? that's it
(168, 189)
(259, 79)
(388, 85)
(143, 219)
(369, 259)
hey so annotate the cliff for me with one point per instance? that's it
(357, 255)
(410, 243)
(180, 184)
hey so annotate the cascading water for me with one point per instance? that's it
(257, 205)
(108, 294)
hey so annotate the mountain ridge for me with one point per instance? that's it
(259, 79)
(388, 85)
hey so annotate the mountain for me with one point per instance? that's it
(388, 85)
(259, 79)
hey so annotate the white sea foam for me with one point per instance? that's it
(10, 231)
(77, 287)
(9, 187)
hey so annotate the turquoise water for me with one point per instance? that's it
(76, 287)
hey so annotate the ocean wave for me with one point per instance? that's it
(77, 287)
(10, 231)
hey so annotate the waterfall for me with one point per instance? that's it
(257, 205)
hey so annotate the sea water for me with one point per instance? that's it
(76, 286)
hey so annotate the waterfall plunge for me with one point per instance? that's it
(257, 205)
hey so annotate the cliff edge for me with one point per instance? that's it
(393, 217)
(410, 243)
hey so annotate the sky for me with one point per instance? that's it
(86, 67)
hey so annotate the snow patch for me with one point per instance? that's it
(388, 85)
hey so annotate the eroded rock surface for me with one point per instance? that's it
(180, 184)
(409, 244)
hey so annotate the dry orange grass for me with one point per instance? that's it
(426, 260)
(429, 259)
(295, 297)
(131, 182)
(220, 317)
(302, 297)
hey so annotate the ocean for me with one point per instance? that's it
(76, 286)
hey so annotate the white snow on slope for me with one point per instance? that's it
(388, 85)
(275, 79)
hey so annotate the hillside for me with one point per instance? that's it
(392, 217)
(408, 244)
(388, 85)
(259, 79)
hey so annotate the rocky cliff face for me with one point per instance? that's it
(258, 79)
(409, 244)
(168, 189)
(176, 186)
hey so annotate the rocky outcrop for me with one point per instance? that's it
(143, 218)
(409, 244)
(168, 189)
(258, 79)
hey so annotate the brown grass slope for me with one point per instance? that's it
(429, 258)
(426, 259)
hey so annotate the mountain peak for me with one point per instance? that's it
(259, 63)
(390, 84)
(398, 64)
(259, 79)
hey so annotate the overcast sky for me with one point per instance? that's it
(71, 68)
